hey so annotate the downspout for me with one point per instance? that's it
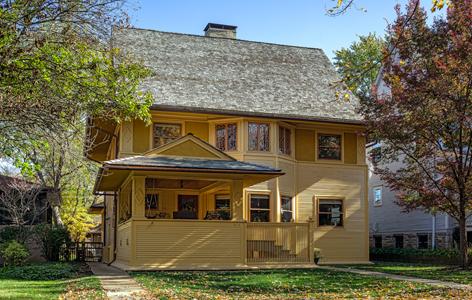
(433, 237)
(115, 203)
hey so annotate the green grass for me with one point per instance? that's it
(49, 281)
(438, 272)
(284, 284)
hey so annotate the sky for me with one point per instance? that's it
(291, 22)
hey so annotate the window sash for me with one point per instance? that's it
(221, 199)
(258, 137)
(378, 196)
(326, 215)
(329, 146)
(226, 137)
(164, 133)
(286, 214)
(259, 213)
(285, 140)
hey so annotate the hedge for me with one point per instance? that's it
(438, 256)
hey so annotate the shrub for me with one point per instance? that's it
(15, 233)
(14, 253)
(43, 271)
(52, 238)
(417, 255)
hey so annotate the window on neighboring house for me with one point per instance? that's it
(165, 133)
(329, 146)
(258, 137)
(285, 140)
(377, 195)
(378, 241)
(376, 154)
(286, 206)
(422, 241)
(330, 213)
(398, 241)
(226, 137)
(223, 206)
(259, 208)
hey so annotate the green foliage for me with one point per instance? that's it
(14, 253)
(43, 271)
(52, 238)
(18, 233)
(359, 64)
(410, 252)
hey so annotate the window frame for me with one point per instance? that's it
(257, 137)
(259, 209)
(343, 211)
(226, 140)
(292, 208)
(227, 197)
(374, 189)
(282, 150)
(341, 147)
(153, 135)
(419, 243)
(397, 238)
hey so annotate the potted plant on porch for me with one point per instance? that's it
(316, 255)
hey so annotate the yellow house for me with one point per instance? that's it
(250, 159)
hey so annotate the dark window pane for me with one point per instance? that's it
(222, 204)
(260, 201)
(152, 201)
(260, 216)
(398, 241)
(284, 140)
(232, 137)
(252, 136)
(330, 212)
(376, 154)
(423, 241)
(287, 216)
(329, 146)
(220, 137)
(258, 135)
(286, 203)
(378, 241)
(165, 133)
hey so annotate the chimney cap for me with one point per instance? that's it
(220, 26)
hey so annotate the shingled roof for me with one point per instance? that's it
(209, 74)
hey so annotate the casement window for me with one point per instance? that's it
(259, 209)
(285, 140)
(226, 137)
(330, 213)
(398, 241)
(378, 241)
(422, 241)
(329, 146)
(258, 137)
(286, 206)
(377, 191)
(164, 133)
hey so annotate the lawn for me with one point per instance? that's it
(49, 281)
(285, 284)
(439, 272)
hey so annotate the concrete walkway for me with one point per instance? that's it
(433, 282)
(117, 283)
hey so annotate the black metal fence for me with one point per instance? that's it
(83, 251)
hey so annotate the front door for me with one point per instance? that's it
(187, 207)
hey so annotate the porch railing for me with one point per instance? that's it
(278, 242)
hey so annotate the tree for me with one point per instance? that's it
(424, 116)
(360, 63)
(342, 6)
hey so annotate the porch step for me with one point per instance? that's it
(268, 250)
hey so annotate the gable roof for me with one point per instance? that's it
(207, 74)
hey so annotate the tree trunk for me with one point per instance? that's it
(55, 200)
(463, 241)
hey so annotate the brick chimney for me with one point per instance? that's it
(220, 30)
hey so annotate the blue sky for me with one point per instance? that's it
(292, 22)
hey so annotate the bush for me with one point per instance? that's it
(52, 239)
(14, 253)
(43, 271)
(15, 233)
(439, 256)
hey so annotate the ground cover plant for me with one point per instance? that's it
(49, 281)
(285, 284)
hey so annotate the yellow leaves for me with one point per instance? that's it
(340, 2)
(438, 5)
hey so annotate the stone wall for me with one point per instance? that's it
(410, 240)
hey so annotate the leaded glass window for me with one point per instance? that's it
(329, 146)
(165, 133)
(226, 137)
(258, 137)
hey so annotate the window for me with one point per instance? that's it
(286, 206)
(260, 208)
(223, 206)
(285, 140)
(329, 146)
(152, 201)
(226, 137)
(378, 241)
(258, 134)
(165, 133)
(330, 213)
(377, 196)
(398, 241)
(422, 241)
(376, 154)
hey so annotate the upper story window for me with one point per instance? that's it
(258, 137)
(329, 146)
(377, 195)
(164, 133)
(330, 213)
(286, 206)
(285, 140)
(226, 137)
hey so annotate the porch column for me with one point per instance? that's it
(138, 195)
(237, 206)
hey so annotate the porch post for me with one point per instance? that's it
(237, 200)
(138, 196)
